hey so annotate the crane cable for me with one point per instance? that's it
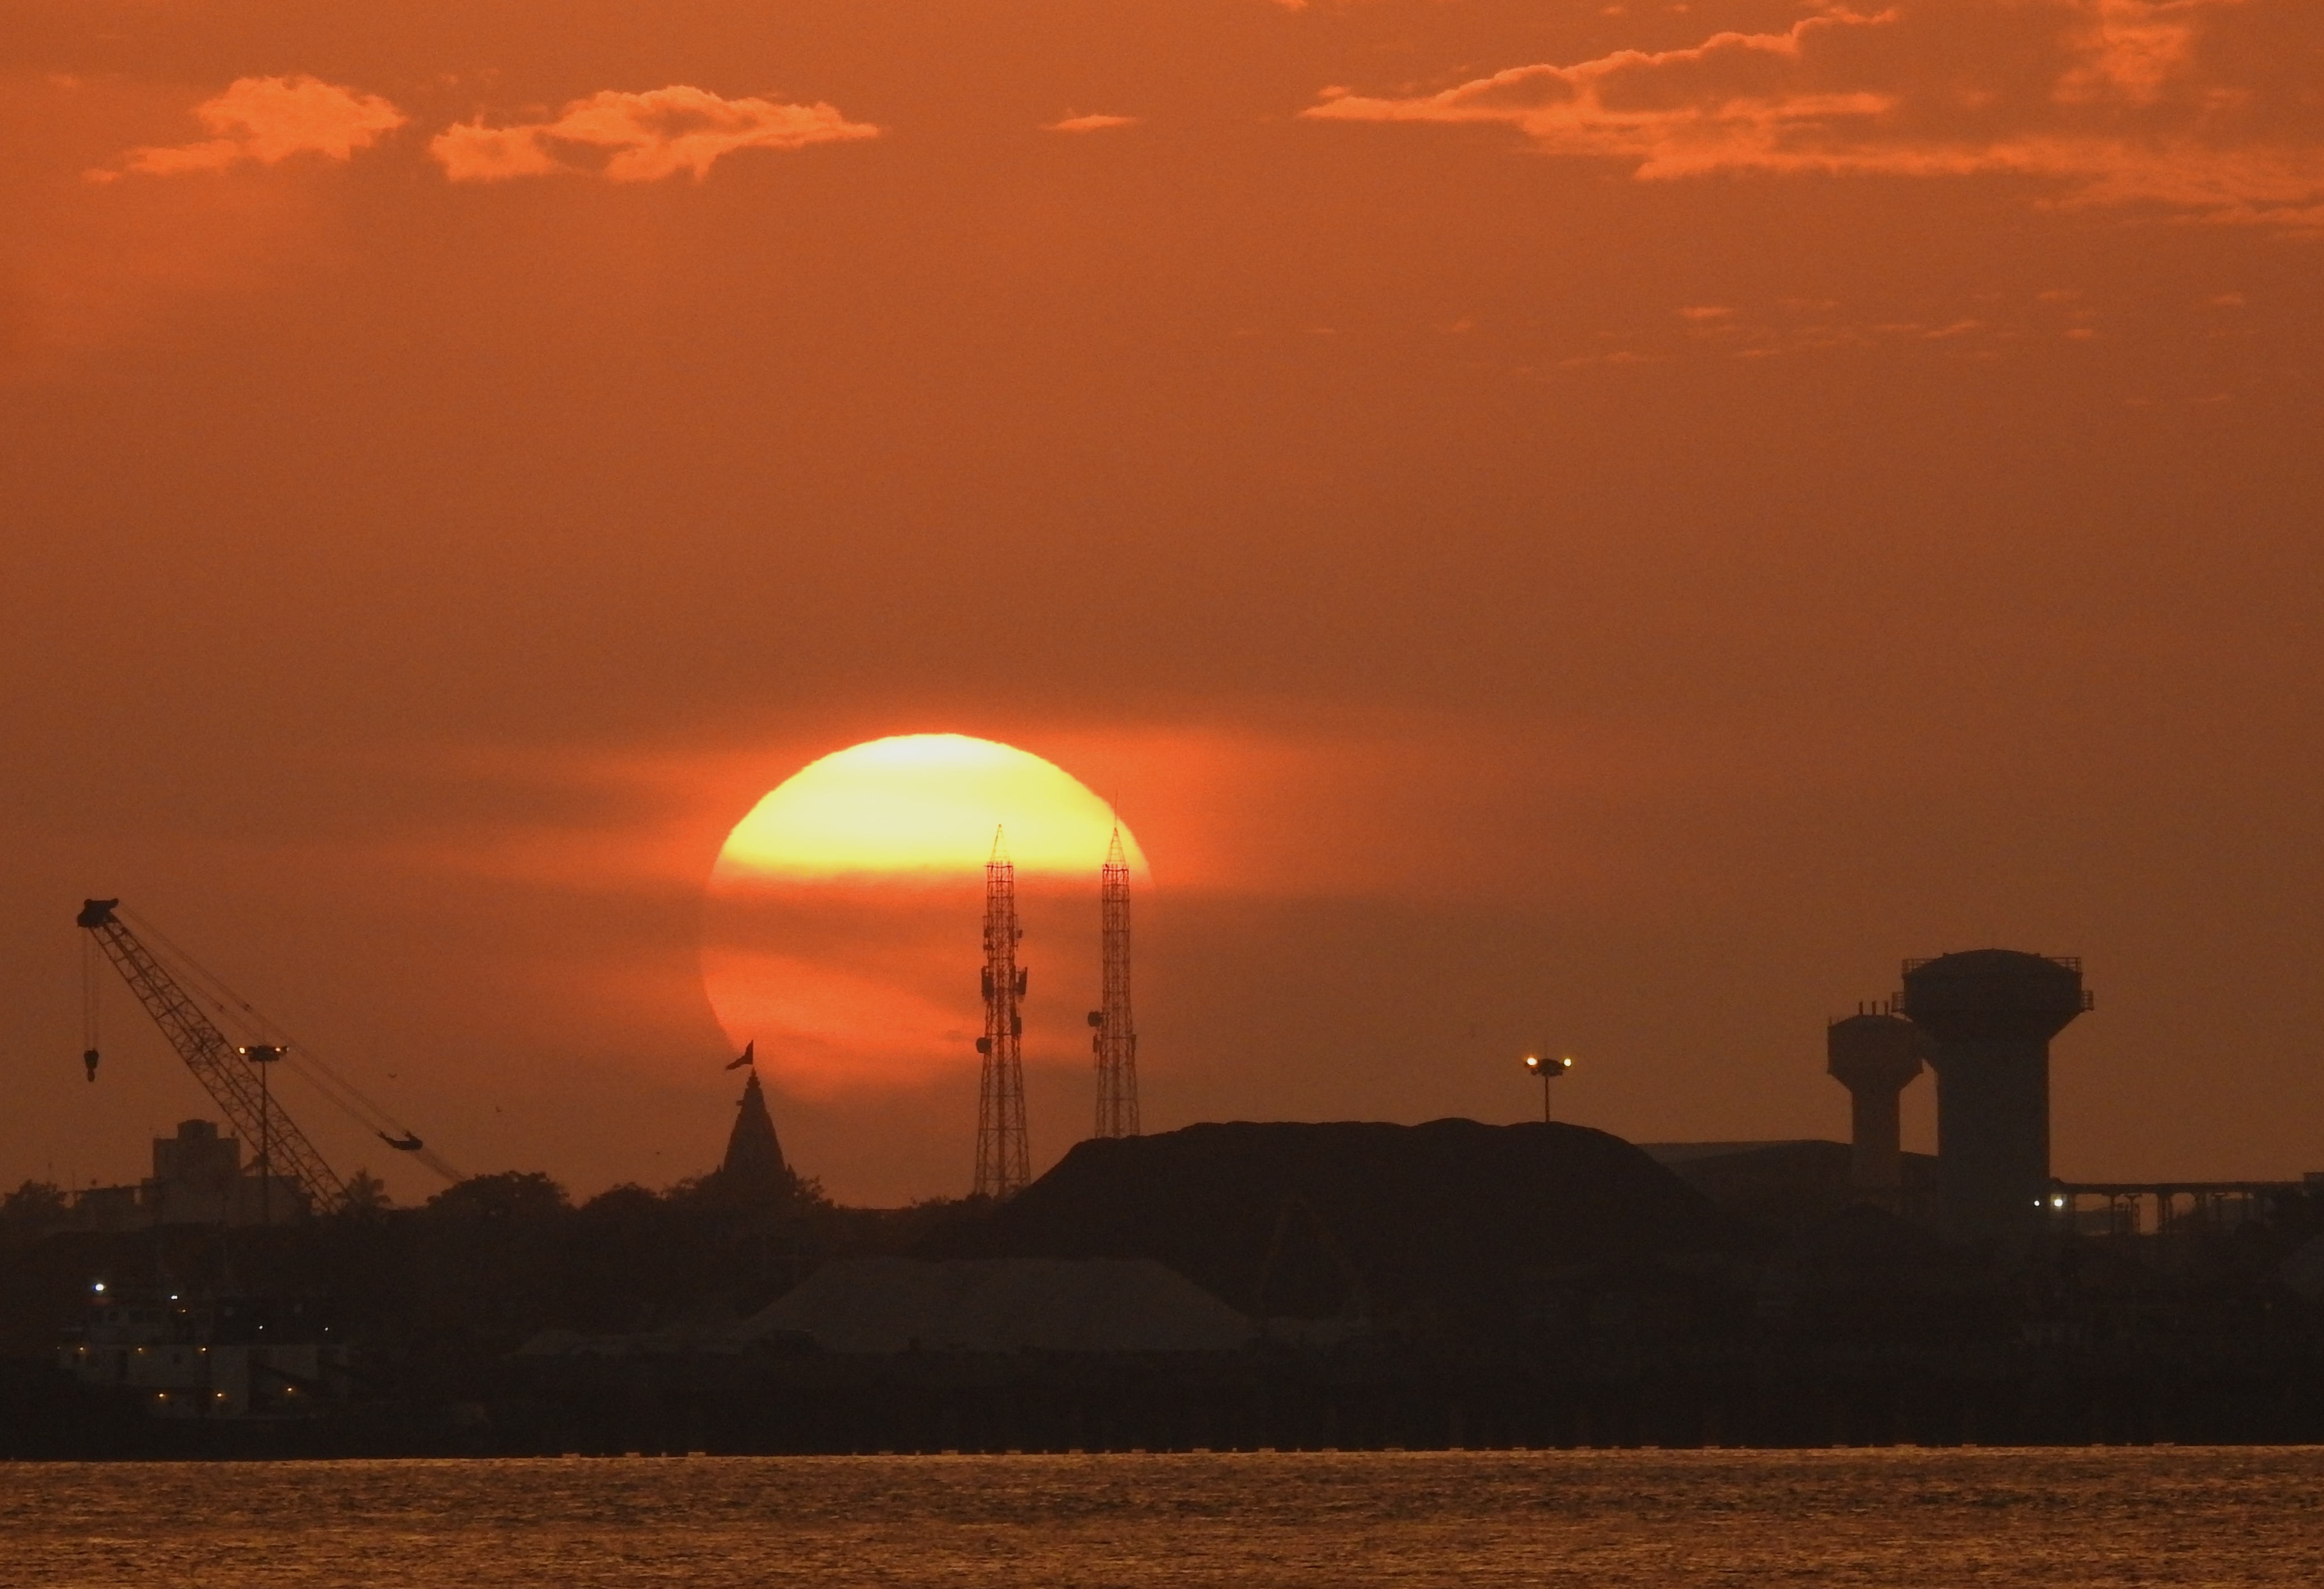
(88, 959)
(301, 1059)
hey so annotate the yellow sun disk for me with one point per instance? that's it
(920, 803)
(840, 932)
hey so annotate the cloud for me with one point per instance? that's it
(637, 137)
(267, 119)
(2174, 103)
(1089, 124)
(2130, 49)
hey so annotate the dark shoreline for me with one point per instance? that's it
(961, 1402)
(1444, 1286)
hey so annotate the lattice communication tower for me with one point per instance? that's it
(1002, 1161)
(1115, 1038)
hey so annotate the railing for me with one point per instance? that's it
(2072, 962)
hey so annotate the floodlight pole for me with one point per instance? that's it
(262, 1055)
(1548, 1070)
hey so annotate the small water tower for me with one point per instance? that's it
(1875, 1055)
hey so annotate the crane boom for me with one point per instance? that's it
(232, 1083)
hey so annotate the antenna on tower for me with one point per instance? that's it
(1003, 1162)
(1115, 1039)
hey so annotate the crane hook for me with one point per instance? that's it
(91, 917)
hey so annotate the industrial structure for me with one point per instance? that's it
(1983, 1020)
(207, 1358)
(1003, 1162)
(1989, 1015)
(2166, 1209)
(1875, 1054)
(1114, 1040)
(236, 1076)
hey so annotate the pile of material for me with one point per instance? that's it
(1005, 1305)
(1343, 1219)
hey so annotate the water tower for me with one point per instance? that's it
(1991, 1013)
(1875, 1055)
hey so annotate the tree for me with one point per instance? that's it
(367, 1194)
(513, 1196)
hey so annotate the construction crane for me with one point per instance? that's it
(234, 1075)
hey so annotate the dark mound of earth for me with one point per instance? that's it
(1305, 1220)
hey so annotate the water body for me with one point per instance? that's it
(2221, 1518)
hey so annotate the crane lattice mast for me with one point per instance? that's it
(1115, 1039)
(231, 1078)
(1002, 1161)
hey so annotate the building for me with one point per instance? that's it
(185, 1357)
(197, 1178)
(1783, 1185)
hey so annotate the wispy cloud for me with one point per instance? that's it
(2118, 101)
(637, 137)
(1089, 124)
(265, 121)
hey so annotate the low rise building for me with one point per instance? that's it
(197, 1178)
(227, 1357)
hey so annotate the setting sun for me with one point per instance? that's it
(921, 803)
(841, 924)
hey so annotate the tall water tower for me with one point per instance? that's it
(1991, 1013)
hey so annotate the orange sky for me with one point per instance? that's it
(1598, 524)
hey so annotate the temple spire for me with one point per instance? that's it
(754, 1158)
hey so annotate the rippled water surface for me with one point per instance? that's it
(1943, 1520)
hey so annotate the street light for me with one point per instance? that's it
(1547, 1069)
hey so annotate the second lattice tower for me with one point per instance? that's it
(1115, 1037)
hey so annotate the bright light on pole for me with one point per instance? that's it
(262, 1054)
(1548, 1070)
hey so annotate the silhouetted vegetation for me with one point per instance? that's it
(472, 1272)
